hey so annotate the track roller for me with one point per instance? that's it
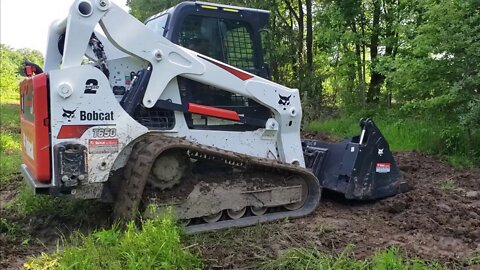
(185, 222)
(258, 211)
(213, 217)
(298, 205)
(236, 214)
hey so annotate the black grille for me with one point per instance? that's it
(204, 94)
(239, 47)
(154, 118)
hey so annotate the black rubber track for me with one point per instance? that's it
(151, 146)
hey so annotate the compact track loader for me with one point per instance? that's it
(179, 112)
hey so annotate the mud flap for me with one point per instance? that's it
(361, 167)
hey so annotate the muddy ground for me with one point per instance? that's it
(437, 219)
(23, 236)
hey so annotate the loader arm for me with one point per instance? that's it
(169, 60)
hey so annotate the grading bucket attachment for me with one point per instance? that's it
(361, 167)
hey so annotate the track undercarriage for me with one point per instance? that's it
(209, 188)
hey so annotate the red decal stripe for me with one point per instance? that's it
(72, 131)
(212, 111)
(236, 72)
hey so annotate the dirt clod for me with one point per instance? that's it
(472, 194)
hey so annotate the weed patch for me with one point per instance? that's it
(10, 117)
(448, 185)
(312, 259)
(28, 204)
(9, 168)
(155, 246)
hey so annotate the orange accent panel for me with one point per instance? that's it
(34, 133)
(212, 111)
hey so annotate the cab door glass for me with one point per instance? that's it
(229, 41)
(157, 25)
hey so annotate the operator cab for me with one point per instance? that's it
(227, 33)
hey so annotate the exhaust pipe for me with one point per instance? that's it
(361, 167)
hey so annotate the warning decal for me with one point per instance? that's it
(101, 146)
(383, 167)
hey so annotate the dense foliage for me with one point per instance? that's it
(417, 59)
(11, 67)
(357, 53)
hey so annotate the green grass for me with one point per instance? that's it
(9, 142)
(474, 259)
(10, 146)
(8, 226)
(156, 246)
(26, 203)
(9, 96)
(9, 168)
(401, 135)
(425, 134)
(312, 259)
(9, 114)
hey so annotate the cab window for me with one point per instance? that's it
(229, 41)
(158, 24)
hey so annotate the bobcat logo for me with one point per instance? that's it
(68, 114)
(285, 101)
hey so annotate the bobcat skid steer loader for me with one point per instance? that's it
(180, 112)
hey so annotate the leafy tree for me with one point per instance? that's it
(8, 67)
(421, 55)
(143, 9)
(440, 72)
(11, 66)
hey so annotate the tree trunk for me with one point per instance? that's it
(301, 30)
(362, 58)
(358, 54)
(299, 17)
(309, 37)
(391, 10)
(376, 79)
